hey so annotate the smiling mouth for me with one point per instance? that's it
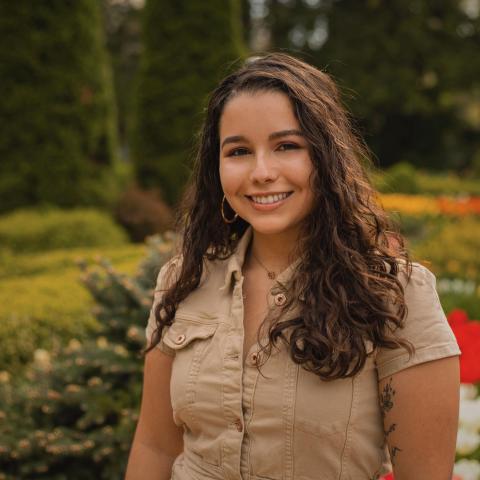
(268, 199)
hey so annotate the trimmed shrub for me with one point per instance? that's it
(29, 230)
(401, 177)
(124, 257)
(42, 303)
(143, 213)
(42, 311)
(183, 59)
(404, 178)
(58, 138)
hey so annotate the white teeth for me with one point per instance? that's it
(270, 198)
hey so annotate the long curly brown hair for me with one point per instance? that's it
(346, 286)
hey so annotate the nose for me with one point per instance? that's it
(263, 169)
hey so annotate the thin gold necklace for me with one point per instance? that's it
(270, 273)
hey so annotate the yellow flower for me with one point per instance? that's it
(102, 342)
(73, 345)
(120, 350)
(52, 394)
(409, 204)
(88, 444)
(42, 358)
(24, 443)
(94, 381)
(72, 388)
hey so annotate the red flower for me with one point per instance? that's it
(457, 317)
(468, 338)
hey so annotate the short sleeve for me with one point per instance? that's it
(425, 326)
(164, 279)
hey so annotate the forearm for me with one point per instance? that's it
(147, 463)
(420, 410)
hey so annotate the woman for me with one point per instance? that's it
(292, 337)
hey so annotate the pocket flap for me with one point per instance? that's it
(182, 333)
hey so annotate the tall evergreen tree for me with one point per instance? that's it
(58, 135)
(188, 46)
(410, 70)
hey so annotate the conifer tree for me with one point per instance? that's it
(409, 69)
(188, 47)
(58, 135)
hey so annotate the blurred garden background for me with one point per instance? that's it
(100, 104)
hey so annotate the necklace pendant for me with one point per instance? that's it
(271, 275)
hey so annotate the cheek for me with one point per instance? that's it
(230, 177)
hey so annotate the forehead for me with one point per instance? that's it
(254, 111)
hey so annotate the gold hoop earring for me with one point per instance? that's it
(225, 219)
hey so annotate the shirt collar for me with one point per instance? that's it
(236, 260)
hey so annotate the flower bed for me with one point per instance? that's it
(427, 205)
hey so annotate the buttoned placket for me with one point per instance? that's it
(239, 380)
(233, 385)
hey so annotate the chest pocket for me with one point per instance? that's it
(191, 342)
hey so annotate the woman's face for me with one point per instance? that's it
(265, 162)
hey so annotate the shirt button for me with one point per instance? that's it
(180, 339)
(280, 299)
(238, 425)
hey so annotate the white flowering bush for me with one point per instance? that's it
(467, 465)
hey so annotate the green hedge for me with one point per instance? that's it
(452, 248)
(44, 305)
(41, 311)
(39, 230)
(404, 178)
(57, 261)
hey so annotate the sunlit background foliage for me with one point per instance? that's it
(101, 105)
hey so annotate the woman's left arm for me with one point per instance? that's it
(420, 407)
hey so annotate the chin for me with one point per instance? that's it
(270, 228)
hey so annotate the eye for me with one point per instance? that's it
(237, 152)
(288, 146)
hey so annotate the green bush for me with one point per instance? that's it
(404, 178)
(124, 257)
(28, 230)
(401, 178)
(41, 311)
(42, 303)
(72, 415)
(447, 184)
(469, 303)
(143, 213)
(452, 248)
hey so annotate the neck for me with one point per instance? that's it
(274, 251)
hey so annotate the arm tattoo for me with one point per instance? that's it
(386, 404)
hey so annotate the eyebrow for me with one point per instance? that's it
(272, 136)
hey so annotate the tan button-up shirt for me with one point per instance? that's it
(284, 423)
